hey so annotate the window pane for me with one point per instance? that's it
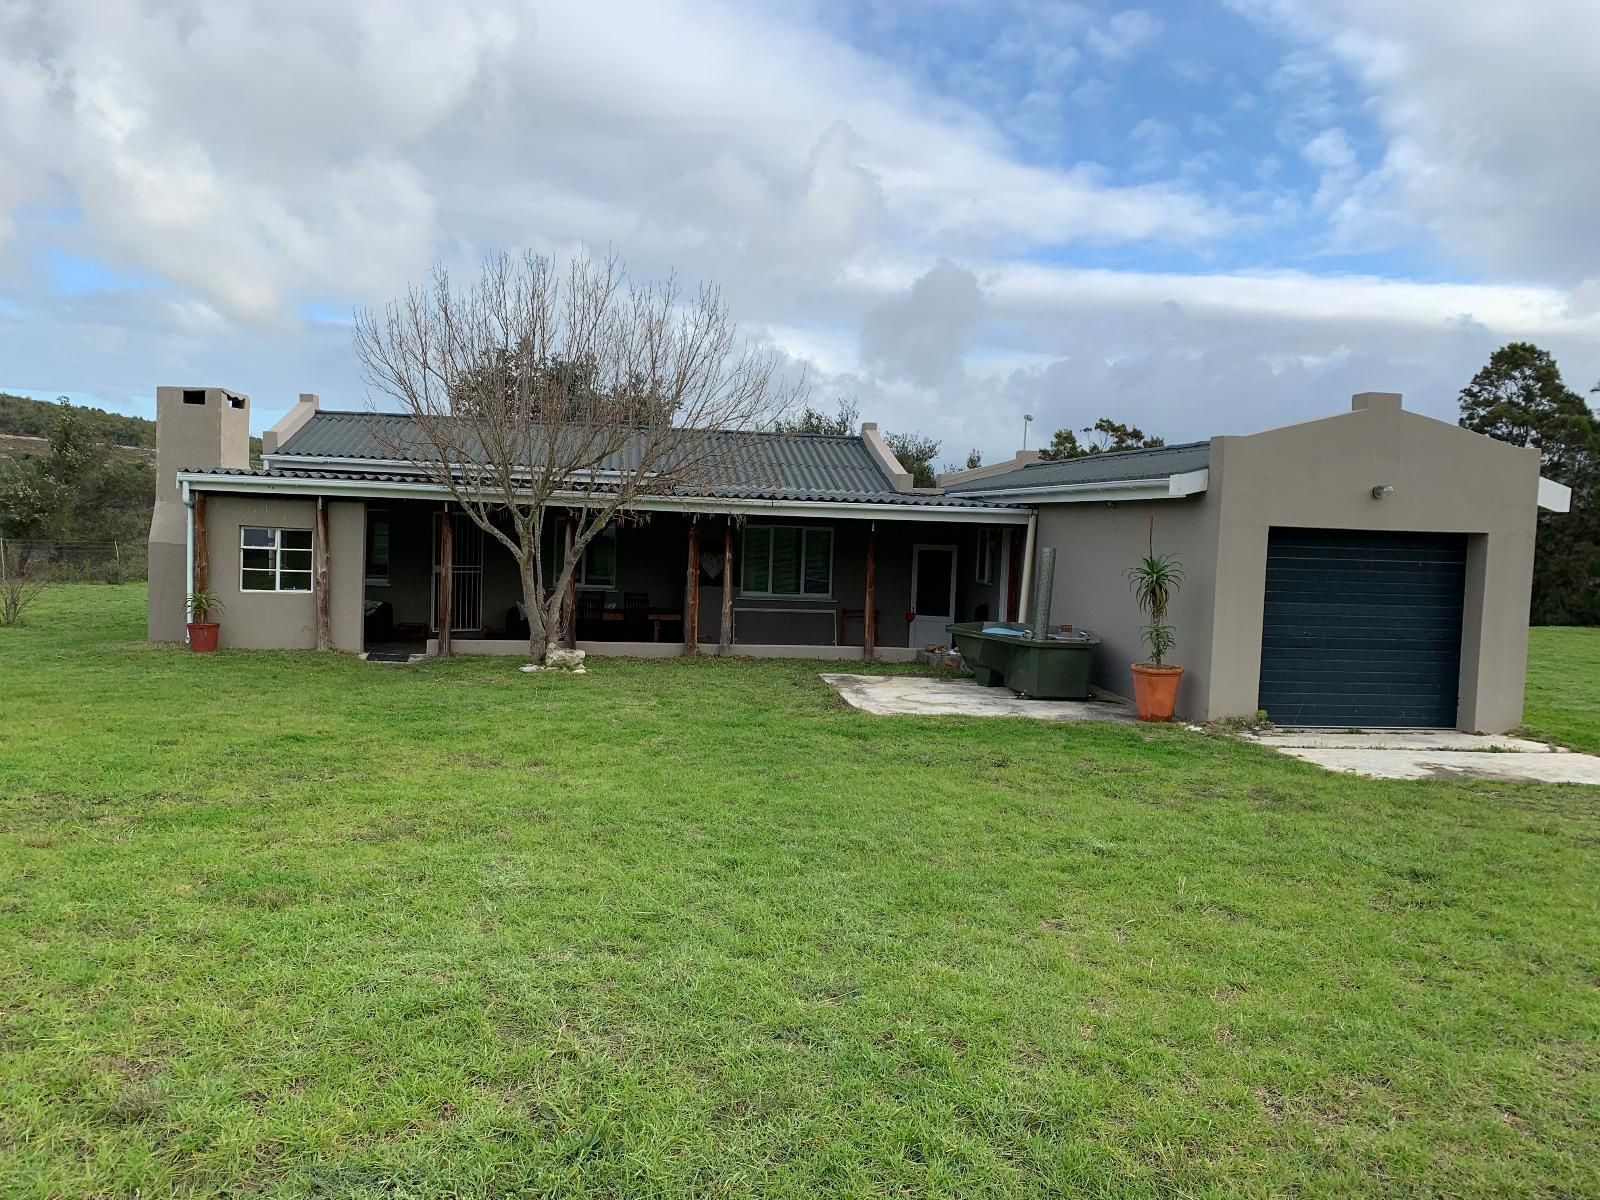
(296, 539)
(757, 552)
(250, 535)
(258, 581)
(294, 560)
(600, 560)
(377, 546)
(294, 581)
(786, 560)
(256, 560)
(819, 562)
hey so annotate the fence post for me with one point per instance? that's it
(2, 560)
(116, 553)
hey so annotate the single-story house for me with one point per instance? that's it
(1369, 568)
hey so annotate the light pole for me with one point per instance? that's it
(1027, 419)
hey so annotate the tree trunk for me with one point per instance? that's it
(533, 606)
(569, 600)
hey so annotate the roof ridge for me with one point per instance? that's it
(787, 433)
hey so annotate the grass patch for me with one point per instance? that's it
(291, 924)
(1563, 697)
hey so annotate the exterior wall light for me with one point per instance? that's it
(1382, 490)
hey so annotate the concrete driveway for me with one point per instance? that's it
(1434, 754)
(918, 695)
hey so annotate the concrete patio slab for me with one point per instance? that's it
(916, 695)
(1454, 764)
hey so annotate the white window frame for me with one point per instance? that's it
(555, 554)
(805, 531)
(370, 579)
(276, 550)
(580, 576)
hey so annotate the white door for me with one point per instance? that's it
(933, 594)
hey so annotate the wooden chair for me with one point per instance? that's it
(591, 615)
(636, 616)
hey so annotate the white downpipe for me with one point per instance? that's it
(188, 557)
(1027, 568)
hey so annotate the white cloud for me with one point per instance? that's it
(1488, 111)
(1124, 34)
(889, 236)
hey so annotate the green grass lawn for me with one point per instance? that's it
(1563, 698)
(297, 925)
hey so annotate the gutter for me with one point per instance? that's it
(848, 509)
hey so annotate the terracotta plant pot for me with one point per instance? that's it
(1155, 691)
(203, 636)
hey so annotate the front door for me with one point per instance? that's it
(933, 594)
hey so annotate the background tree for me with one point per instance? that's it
(1520, 397)
(1105, 436)
(537, 388)
(915, 452)
(80, 489)
(845, 421)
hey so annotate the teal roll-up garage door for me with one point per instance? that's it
(1362, 628)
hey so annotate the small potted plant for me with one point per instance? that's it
(202, 629)
(1155, 579)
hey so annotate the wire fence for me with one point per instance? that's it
(76, 562)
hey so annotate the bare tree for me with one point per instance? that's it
(22, 581)
(540, 388)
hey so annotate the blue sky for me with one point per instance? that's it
(1200, 217)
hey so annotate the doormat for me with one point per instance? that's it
(389, 656)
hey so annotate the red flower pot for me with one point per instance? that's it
(1155, 691)
(203, 636)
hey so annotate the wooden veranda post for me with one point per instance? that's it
(691, 592)
(320, 598)
(202, 546)
(446, 580)
(869, 617)
(726, 639)
(569, 604)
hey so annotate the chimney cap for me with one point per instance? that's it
(1378, 401)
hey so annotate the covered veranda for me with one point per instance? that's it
(751, 578)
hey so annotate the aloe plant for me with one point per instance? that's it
(1155, 580)
(202, 604)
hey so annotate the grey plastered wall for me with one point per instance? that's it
(212, 433)
(1095, 544)
(1320, 474)
(286, 620)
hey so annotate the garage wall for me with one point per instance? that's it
(1095, 545)
(1320, 474)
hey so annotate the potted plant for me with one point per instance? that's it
(202, 629)
(1155, 579)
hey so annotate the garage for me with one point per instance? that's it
(1362, 628)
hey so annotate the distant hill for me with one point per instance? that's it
(25, 417)
(25, 426)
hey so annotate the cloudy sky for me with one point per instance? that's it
(1200, 218)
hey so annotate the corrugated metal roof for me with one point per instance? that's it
(1115, 467)
(817, 495)
(800, 463)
